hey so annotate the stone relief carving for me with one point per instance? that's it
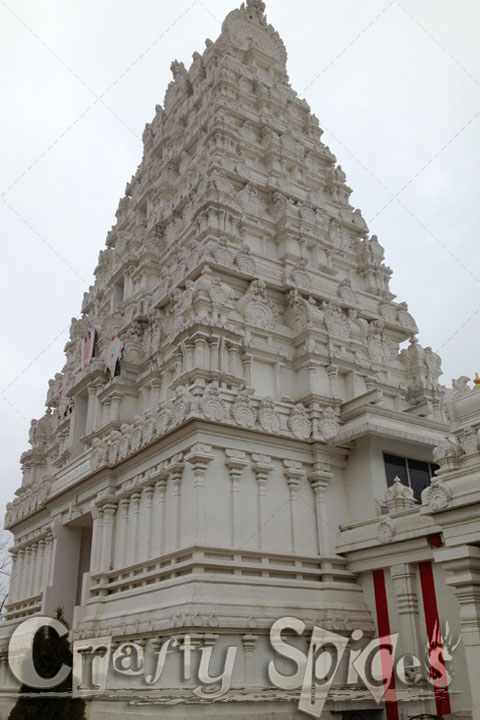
(256, 308)
(459, 388)
(299, 423)
(336, 321)
(184, 403)
(268, 416)
(211, 403)
(29, 501)
(245, 262)
(469, 441)
(298, 274)
(448, 448)
(328, 425)
(437, 495)
(243, 410)
(346, 293)
(385, 530)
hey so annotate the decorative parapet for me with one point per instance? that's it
(29, 500)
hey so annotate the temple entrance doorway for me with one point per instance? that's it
(73, 545)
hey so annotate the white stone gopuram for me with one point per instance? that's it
(236, 435)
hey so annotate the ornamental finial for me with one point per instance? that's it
(256, 5)
(476, 381)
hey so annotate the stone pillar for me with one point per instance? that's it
(33, 575)
(97, 538)
(147, 544)
(236, 462)
(463, 561)
(156, 393)
(332, 377)
(91, 409)
(106, 412)
(49, 540)
(262, 467)
(26, 574)
(39, 582)
(124, 508)
(247, 369)
(294, 474)
(159, 515)
(97, 419)
(175, 473)
(232, 358)
(109, 510)
(134, 527)
(405, 586)
(19, 575)
(115, 404)
(200, 456)
(17, 557)
(33, 569)
(199, 352)
(213, 345)
(319, 479)
(188, 355)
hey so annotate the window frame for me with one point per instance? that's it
(432, 468)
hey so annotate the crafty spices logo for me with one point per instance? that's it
(101, 666)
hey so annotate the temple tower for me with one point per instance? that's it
(213, 453)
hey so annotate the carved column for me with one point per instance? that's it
(134, 527)
(332, 377)
(262, 467)
(405, 586)
(200, 456)
(199, 352)
(236, 462)
(97, 420)
(175, 473)
(22, 575)
(232, 358)
(33, 570)
(147, 544)
(39, 581)
(156, 393)
(97, 538)
(26, 573)
(106, 412)
(247, 369)
(109, 509)
(188, 355)
(319, 479)
(49, 541)
(124, 509)
(213, 345)
(115, 404)
(17, 558)
(294, 474)
(160, 515)
(91, 409)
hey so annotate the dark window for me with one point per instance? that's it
(395, 467)
(416, 474)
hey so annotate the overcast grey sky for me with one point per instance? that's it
(395, 85)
